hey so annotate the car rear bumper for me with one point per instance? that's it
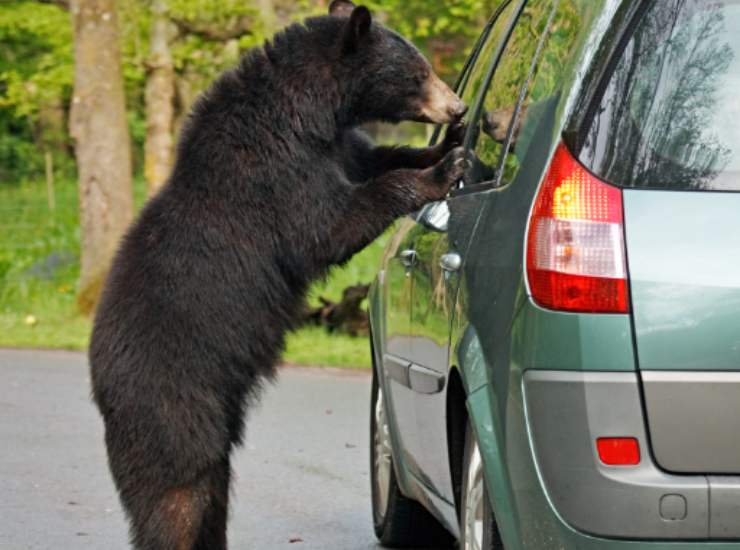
(562, 497)
(567, 412)
(693, 419)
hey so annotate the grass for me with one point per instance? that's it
(39, 267)
(39, 264)
(315, 346)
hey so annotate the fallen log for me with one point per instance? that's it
(346, 316)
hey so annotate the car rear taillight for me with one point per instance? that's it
(575, 246)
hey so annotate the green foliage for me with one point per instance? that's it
(36, 74)
(212, 12)
(202, 58)
(222, 14)
(19, 157)
(35, 56)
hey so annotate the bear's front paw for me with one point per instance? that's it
(448, 172)
(452, 167)
(455, 135)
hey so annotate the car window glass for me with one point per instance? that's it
(515, 71)
(475, 59)
(471, 80)
(479, 72)
(668, 117)
(540, 93)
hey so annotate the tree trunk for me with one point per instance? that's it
(102, 146)
(185, 96)
(160, 95)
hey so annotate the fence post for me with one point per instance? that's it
(51, 199)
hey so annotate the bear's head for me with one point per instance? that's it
(391, 80)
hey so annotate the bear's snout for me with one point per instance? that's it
(440, 104)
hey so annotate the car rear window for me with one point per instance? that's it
(669, 114)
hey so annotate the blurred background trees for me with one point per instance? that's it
(170, 51)
(92, 95)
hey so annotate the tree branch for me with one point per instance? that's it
(236, 28)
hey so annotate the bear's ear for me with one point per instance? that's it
(341, 7)
(358, 27)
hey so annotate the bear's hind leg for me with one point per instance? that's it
(212, 533)
(170, 521)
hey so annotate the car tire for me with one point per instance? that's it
(478, 528)
(399, 522)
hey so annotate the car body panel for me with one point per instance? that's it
(693, 419)
(432, 311)
(683, 251)
(376, 303)
(396, 293)
(396, 298)
(492, 444)
(564, 341)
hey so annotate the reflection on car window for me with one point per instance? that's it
(669, 115)
(478, 73)
(473, 79)
(542, 84)
(503, 95)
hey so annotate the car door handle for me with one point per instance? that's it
(450, 262)
(407, 257)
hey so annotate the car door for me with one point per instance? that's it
(444, 229)
(397, 276)
(395, 281)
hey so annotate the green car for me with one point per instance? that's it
(557, 345)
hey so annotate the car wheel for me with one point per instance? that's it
(478, 529)
(399, 522)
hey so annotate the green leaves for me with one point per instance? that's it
(36, 72)
(35, 57)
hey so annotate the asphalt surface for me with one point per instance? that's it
(302, 475)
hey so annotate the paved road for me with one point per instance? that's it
(303, 473)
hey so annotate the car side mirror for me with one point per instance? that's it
(435, 216)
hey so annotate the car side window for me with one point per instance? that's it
(541, 93)
(496, 125)
(471, 83)
(474, 72)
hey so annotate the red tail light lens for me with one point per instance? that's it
(575, 246)
(618, 451)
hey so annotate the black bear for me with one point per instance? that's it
(273, 184)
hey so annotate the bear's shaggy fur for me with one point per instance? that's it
(272, 185)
